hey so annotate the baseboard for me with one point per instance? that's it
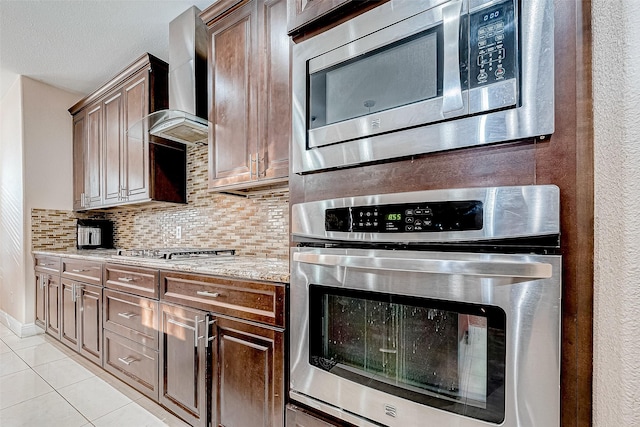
(20, 329)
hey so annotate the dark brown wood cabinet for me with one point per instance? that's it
(303, 13)
(239, 325)
(115, 162)
(248, 387)
(131, 362)
(310, 17)
(47, 275)
(81, 318)
(41, 301)
(131, 328)
(79, 173)
(183, 362)
(250, 93)
(53, 286)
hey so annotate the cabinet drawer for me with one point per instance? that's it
(298, 417)
(133, 363)
(258, 301)
(133, 317)
(135, 280)
(50, 264)
(83, 271)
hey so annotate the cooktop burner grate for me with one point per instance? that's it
(174, 253)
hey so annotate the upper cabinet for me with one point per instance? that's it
(114, 167)
(308, 17)
(250, 93)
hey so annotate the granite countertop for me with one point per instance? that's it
(241, 267)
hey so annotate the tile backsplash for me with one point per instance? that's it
(257, 225)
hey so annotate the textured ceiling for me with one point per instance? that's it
(78, 45)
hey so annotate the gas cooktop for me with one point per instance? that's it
(174, 253)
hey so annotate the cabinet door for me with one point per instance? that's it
(41, 303)
(53, 294)
(113, 133)
(274, 112)
(89, 302)
(135, 159)
(248, 389)
(183, 363)
(232, 113)
(69, 314)
(79, 141)
(93, 156)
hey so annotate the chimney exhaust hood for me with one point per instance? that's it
(186, 119)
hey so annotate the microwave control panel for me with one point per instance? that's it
(407, 217)
(493, 45)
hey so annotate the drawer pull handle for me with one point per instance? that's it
(208, 294)
(126, 279)
(127, 360)
(44, 264)
(182, 325)
(127, 315)
(80, 270)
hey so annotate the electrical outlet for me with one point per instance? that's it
(178, 232)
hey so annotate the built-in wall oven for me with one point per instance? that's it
(411, 77)
(425, 308)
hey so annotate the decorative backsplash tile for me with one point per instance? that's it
(55, 229)
(257, 225)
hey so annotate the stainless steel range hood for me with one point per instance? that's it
(186, 119)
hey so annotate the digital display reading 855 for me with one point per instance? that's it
(393, 217)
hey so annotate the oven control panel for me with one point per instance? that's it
(407, 217)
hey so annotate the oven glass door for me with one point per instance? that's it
(446, 355)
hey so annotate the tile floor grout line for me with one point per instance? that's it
(43, 379)
(92, 370)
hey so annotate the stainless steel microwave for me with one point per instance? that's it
(411, 77)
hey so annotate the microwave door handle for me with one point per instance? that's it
(451, 83)
(488, 268)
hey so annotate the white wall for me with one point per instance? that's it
(616, 86)
(36, 153)
(11, 204)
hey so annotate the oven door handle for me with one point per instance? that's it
(488, 268)
(451, 83)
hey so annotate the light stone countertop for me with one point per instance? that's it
(240, 267)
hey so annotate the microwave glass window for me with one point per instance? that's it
(396, 75)
(443, 354)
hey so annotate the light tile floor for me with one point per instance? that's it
(42, 383)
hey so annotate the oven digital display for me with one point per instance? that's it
(393, 217)
(407, 218)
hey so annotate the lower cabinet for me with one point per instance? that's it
(81, 318)
(131, 340)
(210, 350)
(132, 362)
(47, 298)
(41, 301)
(248, 378)
(184, 345)
(47, 275)
(52, 286)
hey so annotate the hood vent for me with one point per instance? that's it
(186, 119)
